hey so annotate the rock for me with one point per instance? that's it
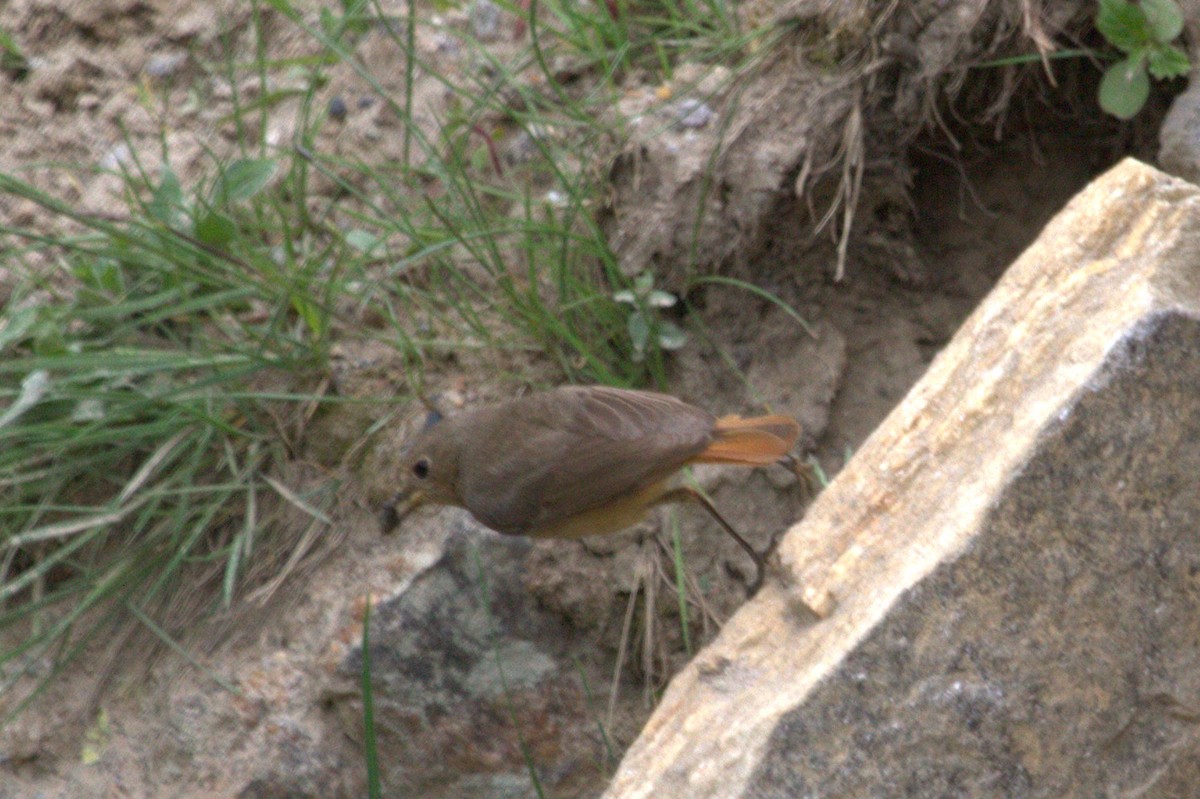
(485, 20)
(62, 79)
(1179, 136)
(199, 23)
(521, 148)
(165, 65)
(337, 108)
(1010, 563)
(468, 671)
(692, 113)
(116, 157)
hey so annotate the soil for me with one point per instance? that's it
(171, 729)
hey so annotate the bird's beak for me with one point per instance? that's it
(405, 502)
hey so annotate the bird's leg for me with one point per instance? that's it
(689, 494)
(805, 474)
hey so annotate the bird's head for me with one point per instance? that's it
(429, 472)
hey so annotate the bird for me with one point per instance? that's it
(581, 460)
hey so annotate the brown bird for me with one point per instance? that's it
(580, 461)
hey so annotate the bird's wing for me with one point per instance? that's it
(577, 448)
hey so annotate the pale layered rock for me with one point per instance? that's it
(1179, 136)
(1010, 566)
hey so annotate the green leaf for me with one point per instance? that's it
(16, 326)
(310, 312)
(215, 229)
(101, 274)
(33, 388)
(1168, 62)
(639, 334)
(1123, 24)
(286, 8)
(329, 23)
(166, 203)
(670, 337)
(243, 179)
(48, 337)
(660, 299)
(1164, 18)
(480, 159)
(362, 241)
(48, 342)
(11, 57)
(1125, 87)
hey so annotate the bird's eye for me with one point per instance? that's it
(421, 468)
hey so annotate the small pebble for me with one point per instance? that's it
(691, 113)
(446, 45)
(337, 108)
(521, 149)
(485, 20)
(115, 157)
(392, 25)
(163, 65)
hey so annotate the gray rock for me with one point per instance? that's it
(164, 65)
(485, 20)
(337, 108)
(693, 113)
(1009, 566)
(1179, 136)
(467, 671)
(116, 157)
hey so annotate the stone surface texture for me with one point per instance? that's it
(1179, 136)
(467, 672)
(1010, 564)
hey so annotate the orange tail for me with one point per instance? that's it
(751, 442)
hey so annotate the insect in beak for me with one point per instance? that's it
(399, 507)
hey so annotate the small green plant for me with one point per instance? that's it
(354, 19)
(1144, 32)
(646, 327)
(12, 57)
